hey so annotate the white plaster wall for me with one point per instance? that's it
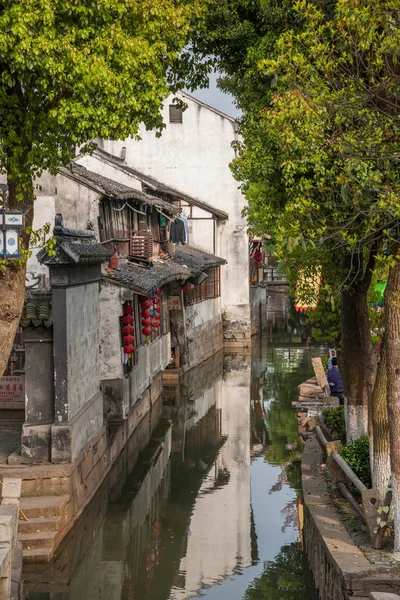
(151, 358)
(194, 157)
(82, 319)
(74, 201)
(110, 309)
(202, 312)
(44, 213)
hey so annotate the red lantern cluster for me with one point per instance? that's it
(128, 339)
(150, 313)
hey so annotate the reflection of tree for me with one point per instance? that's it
(285, 578)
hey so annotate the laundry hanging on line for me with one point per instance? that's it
(177, 233)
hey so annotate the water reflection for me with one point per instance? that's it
(211, 510)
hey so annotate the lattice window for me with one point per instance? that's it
(141, 244)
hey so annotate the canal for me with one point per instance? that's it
(213, 507)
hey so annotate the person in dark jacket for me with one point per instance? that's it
(335, 381)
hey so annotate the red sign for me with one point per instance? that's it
(12, 389)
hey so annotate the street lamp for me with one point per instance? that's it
(11, 223)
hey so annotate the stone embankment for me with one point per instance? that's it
(340, 569)
(10, 549)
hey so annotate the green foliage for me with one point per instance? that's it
(75, 71)
(334, 419)
(356, 454)
(285, 578)
(319, 151)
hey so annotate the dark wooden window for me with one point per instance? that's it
(175, 114)
(210, 288)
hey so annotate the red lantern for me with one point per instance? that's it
(187, 287)
(145, 305)
(156, 324)
(129, 349)
(128, 340)
(158, 292)
(128, 320)
(156, 300)
(145, 314)
(128, 309)
(156, 315)
(146, 322)
(146, 331)
(128, 330)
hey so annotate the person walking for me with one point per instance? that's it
(335, 381)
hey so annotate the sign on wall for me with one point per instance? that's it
(174, 303)
(12, 389)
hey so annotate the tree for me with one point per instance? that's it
(71, 72)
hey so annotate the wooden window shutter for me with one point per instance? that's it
(175, 114)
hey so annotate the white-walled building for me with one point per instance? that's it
(192, 156)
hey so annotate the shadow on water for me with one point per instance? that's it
(213, 507)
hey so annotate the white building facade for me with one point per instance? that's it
(193, 156)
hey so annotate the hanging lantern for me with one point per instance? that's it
(146, 331)
(128, 309)
(145, 305)
(128, 330)
(156, 314)
(128, 320)
(146, 322)
(144, 298)
(129, 349)
(158, 292)
(145, 314)
(187, 287)
(156, 300)
(156, 324)
(128, 340)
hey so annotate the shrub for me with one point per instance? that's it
(356, 454)
(334, 419)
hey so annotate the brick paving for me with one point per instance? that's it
(10, 441)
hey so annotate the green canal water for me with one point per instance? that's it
(212, 509)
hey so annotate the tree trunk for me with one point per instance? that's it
(392, 342)
(357, 359)
(380, 448)
(12, 277)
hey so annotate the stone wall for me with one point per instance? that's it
(340, 569)
(258, 307)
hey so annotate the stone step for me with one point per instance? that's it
(37, 555)
(43, 506)
(37, 539)
(46, 486)
(38, 524)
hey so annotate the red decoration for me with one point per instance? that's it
(187, 287)
(128, 320)
(128, 340)
(146, 331)
(145, 314)
(156, 324)
(145, 305)
(128, 330)
(156, 300)
(158, 292)
(156, 315)
(129, 349)
(146, 322)
(128, 309)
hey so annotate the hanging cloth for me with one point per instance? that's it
(177, 231)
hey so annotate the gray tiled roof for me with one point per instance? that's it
(188, 262)
(114, 189)
(197, 259)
